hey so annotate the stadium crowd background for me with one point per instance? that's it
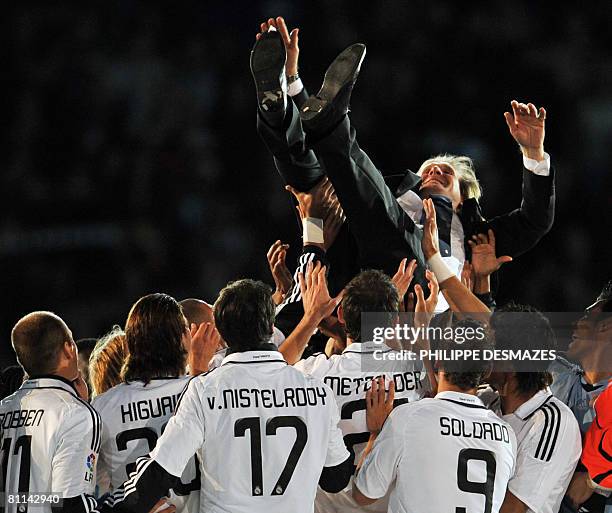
(132, 163)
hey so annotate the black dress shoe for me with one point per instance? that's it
(324, 111)
(268, 68)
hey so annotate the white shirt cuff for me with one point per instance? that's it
(295, 88)
(538, 168)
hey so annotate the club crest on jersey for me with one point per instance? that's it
(90, 463)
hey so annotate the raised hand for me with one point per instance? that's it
(321, 202)
(289, 38)
(317, 302)
(378, 407)
(205, 341)
(403, 277)
(425, 308)
(526, 125)
(484, 259)
(291, 46)
(430, 243)
(313, 203)
(280, 272)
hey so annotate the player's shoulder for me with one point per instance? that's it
(302, 377)
(60, 398)
(422, 407)
(102, 401)
(566, 375)
(551, 409)
(80, 419)
(200, 382)
(412, 416)
(552, 413)
(561, 365)
(318, 362)
(7, 402)
(550, 422)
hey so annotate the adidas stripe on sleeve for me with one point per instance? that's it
(74, 461)
(549, 447)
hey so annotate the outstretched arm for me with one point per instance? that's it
(283, 281)
(463, 299)
(522, 228)
(317, 306)
(526, 125)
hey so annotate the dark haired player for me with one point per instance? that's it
(135, 412)
(580, 381)
(548, 435)
(349, 374)
(265, 433)
(470, 451)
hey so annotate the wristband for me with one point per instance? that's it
(292, 78)
(312, 230)
(439, 268)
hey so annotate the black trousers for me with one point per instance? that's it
(381, 232)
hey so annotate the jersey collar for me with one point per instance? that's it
(245, 357)
(469, 400)
(49, 381)
(528, 408)
(366, 348)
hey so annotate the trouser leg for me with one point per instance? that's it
(297, 165)
(383, 231)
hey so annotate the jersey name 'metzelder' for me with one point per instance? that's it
(409, 381)
(350, 375)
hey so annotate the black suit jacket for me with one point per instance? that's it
(515, 232)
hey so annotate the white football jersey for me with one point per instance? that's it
(349, 375)
(49, 442)
(277, 339)
(448, 453)
(549, 446)
(263, 432)
(134, 416)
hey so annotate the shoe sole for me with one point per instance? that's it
(341, 72)
(268, 59)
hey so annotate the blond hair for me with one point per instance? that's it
(106, 361)
(464, 170)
